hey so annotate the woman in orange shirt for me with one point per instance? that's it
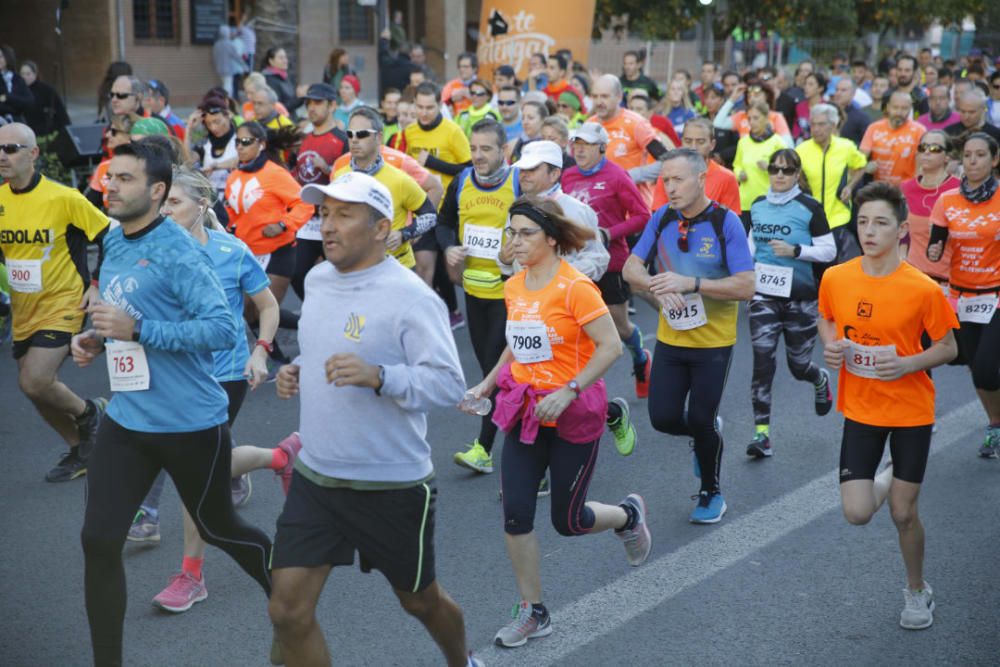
(552, 403)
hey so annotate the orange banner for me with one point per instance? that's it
(510, 31)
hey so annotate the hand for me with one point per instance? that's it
(762, 165)
(891, 366)
(506, 254)
(743, 177)
(871, 167)
(672, 301)
(481, 390)
(110, 322)
(195, 119)
(256, 369)
(670, 282)
(455, 256)
(394, 240)
(738, 92)
(301, 90)
(833, 353)
(85, 347)
(782, 249)
(272, 230)
(935, 250)
(552, 405)
(287, 381)
(321, 164)
(422, 157)
(90, 295)
(845, 195)
(207, 170)
(347, 369)
(459, 94)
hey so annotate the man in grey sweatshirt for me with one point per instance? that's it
(376, 354)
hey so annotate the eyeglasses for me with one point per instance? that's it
(246, 141)
(11, 149)
(506, 103)
(479, 93)
(774, 170)
(525, 234)
(682, 234)
(214, 110)
(359, 134)
(119, 96)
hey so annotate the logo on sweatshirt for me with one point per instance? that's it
(354, 327)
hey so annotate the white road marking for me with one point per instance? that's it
(643, 589)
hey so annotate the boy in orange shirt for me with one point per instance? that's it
(873, 311)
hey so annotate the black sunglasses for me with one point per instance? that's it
(774, 170)
(213, 110)
(119, 96)
(479, 93)
(247, 141)
(359, 134)
(506, 103)
(930, 148)
(11, 149)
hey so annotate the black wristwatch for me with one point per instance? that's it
(798, 250)
(381, 380)
(136, 331)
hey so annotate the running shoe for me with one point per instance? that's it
(760, 446)
(475, 458)
(526, 625)
(638, 541)
(543, 488)
(623, 429)
(241, 488)
(641, 373)
(87, 427)
(991, 445)
(144, 528)
(291, 446)
(457, 320)
(709, 509)
(181, 593)
(70, 466)
(918, 612)
(824, 395)
(475, 662)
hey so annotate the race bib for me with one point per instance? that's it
(310, 230)
(127, 366)
(977, 309)
(860, 359)
(263, 260)
(483, 242)
(691, 316)
(25, 275)
(529, 341)
(773, 280)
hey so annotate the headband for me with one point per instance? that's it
(536, 215)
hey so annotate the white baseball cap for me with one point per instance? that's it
(591, 133)
(354, 187)
(538, 152)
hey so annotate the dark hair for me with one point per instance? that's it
(634, 54)
(787, 155)
(991, 143)
(490, 126)
(391, 91)
(886, 192)
(567, 56)
(481, 83)
(907, 56)
(467, 55)
(372, 116)
(993, 77)
(949, 143)
(545, 60)
(765, 89)
(30, 64)
(155, 162)
(821, 80)
(115, 70)
(978, 83)
(179, 155)
(728, 73)
(333, 62)
(509, 88)
(9, 56)
(428, 88)
(859, 63)
(256, 130)
(944, 72)
(549, 215)
(561, 60)
(270, 53)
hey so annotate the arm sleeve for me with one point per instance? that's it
(447, 227)
(432, 375)
(657, 150)
(723, 121)
(424, 216)
(413, 168)
(448, 168)
(856, 160)
(939, 224)
(824, 298)
(635, 209)
(585, 302)
(659, 194)
(647, 173)
(866, 142)
(822, 250)
(730, 195)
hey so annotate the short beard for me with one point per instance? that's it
(134, 213)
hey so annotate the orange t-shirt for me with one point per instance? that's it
(256, 199)
(99, 180)
(920, 202)
(720, 186)
(894, 151)
(458, 105)
(886, 310)
(248, 112)
(741, 123)
(974, 239)
(397, 159)
(549, 323)
(629, 134)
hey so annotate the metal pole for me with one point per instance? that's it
(121, 29)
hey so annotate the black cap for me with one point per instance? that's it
(506, 70)
(321, 91)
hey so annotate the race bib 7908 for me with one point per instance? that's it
(529, 341)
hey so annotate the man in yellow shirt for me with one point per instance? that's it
(44, 231)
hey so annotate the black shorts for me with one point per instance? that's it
(862, 446)
(393, 531)
(282, 262)
(426, 241)
(41, 338)
(614, 289)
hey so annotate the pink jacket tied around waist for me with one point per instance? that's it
(581, 422)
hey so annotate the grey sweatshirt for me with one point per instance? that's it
(387, 316)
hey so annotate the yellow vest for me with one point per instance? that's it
(482, 216)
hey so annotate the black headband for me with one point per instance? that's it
(536, 215)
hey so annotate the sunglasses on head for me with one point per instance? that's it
(119, 96)
(359, 134)
(506, 103)
(774, 170)
(214, 110)
(930, 148)
(247, 141)
(10, 149)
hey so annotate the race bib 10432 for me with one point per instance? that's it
(691, 316)
(128, 368)
(482, 242)
(773, 280)
(977, 309)
(529, 341)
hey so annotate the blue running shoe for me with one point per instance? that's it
(709, 509)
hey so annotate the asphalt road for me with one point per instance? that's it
(782, 580)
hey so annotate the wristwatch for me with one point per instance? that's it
(798, 250)
(283, 226)
(575, 386)
(136, 331)
(381, 380)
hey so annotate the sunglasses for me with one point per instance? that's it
(359, 134)
(479, 93)
(682, 234)
(247, 141)
(930, 148)
(119, 96)
(10, 149)
(506, 103)
(774, 170)
(214, 110)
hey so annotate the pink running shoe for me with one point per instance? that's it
(181, 593)
(291, 446)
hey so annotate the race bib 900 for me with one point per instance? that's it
(529, 341)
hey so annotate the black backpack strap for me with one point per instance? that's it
(718, 217)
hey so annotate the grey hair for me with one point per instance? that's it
(702, 122)
(255, 79)
(373, 117)
(693, 158)
(828, 111)
(559, 123)
(976, 94)
(138, 87)
(272, 96)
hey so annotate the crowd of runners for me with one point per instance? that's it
(850, 208)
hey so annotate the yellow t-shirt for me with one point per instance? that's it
(482, 216)
(406, 197)
(446, 142)
(43, 236)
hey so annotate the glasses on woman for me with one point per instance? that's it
(359, 134)
(479, 93)
(246, 141)
(774, 170)
(525, 234)
(930, 148)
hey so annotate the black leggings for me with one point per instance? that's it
(980, 346)
(701, 373)
(862, 446)
(487, 319)
(307, 251)
(522, 468)
(119, 473)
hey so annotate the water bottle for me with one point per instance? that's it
(475, 406)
